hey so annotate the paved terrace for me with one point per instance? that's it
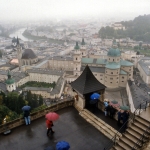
(70, 127)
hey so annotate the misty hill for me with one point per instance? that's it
(137, 29)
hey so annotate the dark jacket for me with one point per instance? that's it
(26, 113)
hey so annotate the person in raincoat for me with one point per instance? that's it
(49, 125)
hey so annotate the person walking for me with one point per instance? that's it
(49, 125)
(27, 117)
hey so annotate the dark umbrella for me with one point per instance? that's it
(62, 145)
(26, 108)
(95, 96)
(124, 107)
(93, 101)
(114, 103)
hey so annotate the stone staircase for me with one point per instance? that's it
(99, 124)
(133, 134)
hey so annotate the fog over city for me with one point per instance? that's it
(70, 9)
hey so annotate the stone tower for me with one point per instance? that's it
(77, 59)
(10, 83)
(19, 53)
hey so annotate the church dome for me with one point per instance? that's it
(28, 54)
(114, 52)
(10, 81)
(14, 40)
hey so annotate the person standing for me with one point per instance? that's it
(49, 125)
(27, 117)
(119, 117)
(125, 120)
(105, 107)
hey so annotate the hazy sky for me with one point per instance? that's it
(38, 9)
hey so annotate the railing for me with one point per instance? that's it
(35, 115)
(140, 142)
(130, 120)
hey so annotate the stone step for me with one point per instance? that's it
(131, 137)
(98, 124)
(142, 121)
(137, 129)
(95, 118)
(133, 133)
(129, 142)
(141, 126)
(123, 145)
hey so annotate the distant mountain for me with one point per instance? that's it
(137, 29)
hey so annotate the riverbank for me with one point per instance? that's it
(49, 40)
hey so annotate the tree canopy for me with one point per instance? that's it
(137, 29)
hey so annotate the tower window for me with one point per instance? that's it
(76, 58)
(113, 59)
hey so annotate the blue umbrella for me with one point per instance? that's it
(62, 145)
(95, 96)
(26, 108)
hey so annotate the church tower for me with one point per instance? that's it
(19, 53)
(10, 83)
(77, 59)
(83, 48)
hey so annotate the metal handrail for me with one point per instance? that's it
(131, 119)
(141, 139)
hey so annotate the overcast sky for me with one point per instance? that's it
(38, 9)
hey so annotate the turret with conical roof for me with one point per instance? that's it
(82, 43)
(76, 46)
(83, 48)
(10, 83)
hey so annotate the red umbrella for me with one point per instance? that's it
(52, 116)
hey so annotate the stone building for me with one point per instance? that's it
(27, 57)
(112, 71)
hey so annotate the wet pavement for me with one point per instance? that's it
(70, 127)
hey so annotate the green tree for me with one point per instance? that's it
(40, 100)
(12, 99)
(3, 112)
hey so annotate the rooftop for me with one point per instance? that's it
(145, 64)
(113, 65)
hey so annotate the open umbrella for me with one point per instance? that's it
(26, 108)
(95, 96)
(62, 145)
(124, 107)
(52, 116)
(114, 103)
